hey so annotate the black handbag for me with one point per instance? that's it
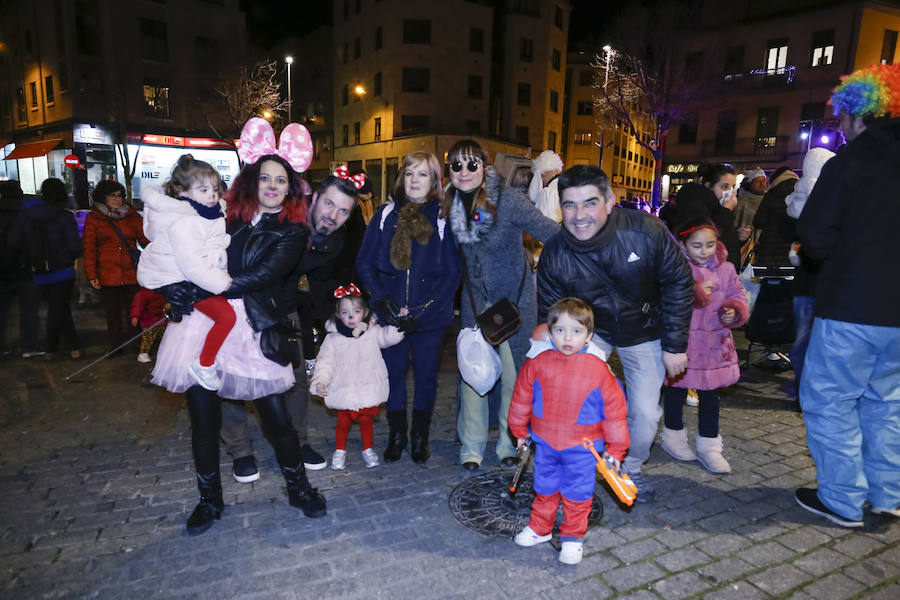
(501, 320)
(280, 343)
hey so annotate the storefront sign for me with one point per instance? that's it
(157, 139)
(82, 133)
(72, 161)
(682, 168)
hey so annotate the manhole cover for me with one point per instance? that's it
(483, 503)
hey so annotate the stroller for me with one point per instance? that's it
(771, 322)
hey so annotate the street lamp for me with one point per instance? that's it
(289, 60)
(359, 90)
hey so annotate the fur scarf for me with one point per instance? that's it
(411, 224)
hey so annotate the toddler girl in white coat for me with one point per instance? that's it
(350, 374)
(186, 229)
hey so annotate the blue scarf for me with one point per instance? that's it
(207, 212)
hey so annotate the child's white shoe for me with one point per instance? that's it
(205, 376)
(674, 442)
(143, 357)
(370, 457)
(338, 460)
(527, 537)
(692, 398)
(571, 552)
(709, 453)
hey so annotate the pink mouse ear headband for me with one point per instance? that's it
(258, 139)
(342, 172)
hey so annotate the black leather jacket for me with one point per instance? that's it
(646, 293)
(260, 259)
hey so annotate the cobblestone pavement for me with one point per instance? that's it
(96, 483)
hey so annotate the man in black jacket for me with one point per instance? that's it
(330, 208)
(627, 266)
(850, 388)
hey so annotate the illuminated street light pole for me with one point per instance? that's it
(289, 60)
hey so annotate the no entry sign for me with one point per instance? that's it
(71, 161)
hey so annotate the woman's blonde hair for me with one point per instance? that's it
(434, 167)
(573, 307)
(464, 151)
(187, 171)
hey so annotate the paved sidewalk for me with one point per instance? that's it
(96, 483)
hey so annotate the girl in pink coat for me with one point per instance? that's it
(350, 374)
(720, 305)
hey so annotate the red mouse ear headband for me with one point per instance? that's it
(342, 172)
(258, 139)
(350, 290)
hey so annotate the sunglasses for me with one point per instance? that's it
(456, 166)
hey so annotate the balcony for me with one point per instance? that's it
(749, 147)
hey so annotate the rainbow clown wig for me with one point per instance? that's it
(870, 92)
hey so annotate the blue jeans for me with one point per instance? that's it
(474, 415)
(850, 395)
(644, 375)
(803, 320)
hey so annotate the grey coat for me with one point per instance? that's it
(496, 264)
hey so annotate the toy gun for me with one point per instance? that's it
(522, 455)
(620, 483)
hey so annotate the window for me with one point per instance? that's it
(585, 108)
(20, 104)
(558, 17)
(556, 60)
(345, 135)
(376, 87)
(87, 27)
(345, 95)
(410, 123)
(766, 130)
(583, 137)
(34, 94)
(822, 48)
(346, 9)
(156, 100)
(357, 6)
(63, 76)
(473, 126)
(888, 47)
(379, 37)
(206, 54)
(356, 132)
(522, 135)
(734, 62)
(585, 78)
(416, 31)
(554, 101)
(391, 169)
(687, 131)
(726, 131)
(377, 129)
(345, 53)
(812, 111)
(474, 87)
(416, 80)
(476, 39)
(551, 140)
(693, 65)
(356, 47)
(776, 57)
(526, 49)
(48, 89)
(154, 40)
(523, 94)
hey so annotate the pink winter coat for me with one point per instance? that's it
(352, 368)
(712, 359)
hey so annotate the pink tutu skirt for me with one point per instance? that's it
(245, 373)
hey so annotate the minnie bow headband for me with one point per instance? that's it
(342, 172)
(350, 290)
(258, 139)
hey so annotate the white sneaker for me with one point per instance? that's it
(370, 457)
(338, 460)
(891, 512)
(205, 376)
(527, 537)
(143, 357)
(692, 398)
(571, 552)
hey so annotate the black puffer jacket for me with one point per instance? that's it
(653, 294)
(260, 259)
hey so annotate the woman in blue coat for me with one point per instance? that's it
(409, 257)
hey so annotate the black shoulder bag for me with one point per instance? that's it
(500, 320)
(133, 253)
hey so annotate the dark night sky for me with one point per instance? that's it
(270, 21)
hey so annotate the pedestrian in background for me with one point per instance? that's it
(147, 309)
(16, 282)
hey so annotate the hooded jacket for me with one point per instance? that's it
(851, 224)
(59, 225)
(697, 201)
(653, 289)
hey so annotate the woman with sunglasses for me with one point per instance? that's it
(487, 221)
(409, 264)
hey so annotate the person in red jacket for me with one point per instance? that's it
(565, 393)
(107, 260)
(146, 310)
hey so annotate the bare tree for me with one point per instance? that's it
(249, 92)
(120, 104)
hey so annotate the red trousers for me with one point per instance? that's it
(222, 315)
(346, 418)
(575, 521)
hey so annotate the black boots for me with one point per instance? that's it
(418, 436)
(211, 505)
(302, 495)
(397, 436)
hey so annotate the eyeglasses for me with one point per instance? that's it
(456, 166)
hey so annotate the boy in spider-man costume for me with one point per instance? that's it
(566, 392)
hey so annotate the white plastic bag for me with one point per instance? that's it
(479, 364)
